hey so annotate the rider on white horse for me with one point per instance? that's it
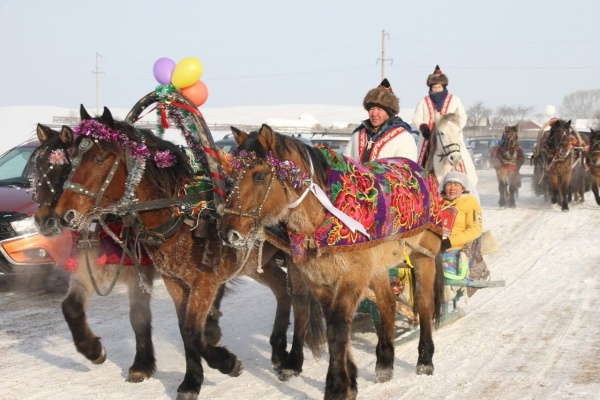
(427, 116)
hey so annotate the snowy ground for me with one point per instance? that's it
(536, 338)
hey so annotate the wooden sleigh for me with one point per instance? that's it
(407, 326)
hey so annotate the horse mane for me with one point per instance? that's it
(286, 146)
(453, 118)
(164, 179)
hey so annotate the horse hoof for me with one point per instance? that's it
(101, 358)
(136, 377)
(285, 375)
(187, 396)
(238, 368)
(425, 369)
(383, 375)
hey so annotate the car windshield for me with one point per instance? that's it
(14, 166)
(528, 144)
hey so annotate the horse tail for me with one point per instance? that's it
(315, 331)
(438, 288)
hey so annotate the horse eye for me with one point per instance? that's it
(100, 159)
(259, 177)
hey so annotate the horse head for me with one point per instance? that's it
(270, 173)
(116, 163)
(448, 139)
(511, 141)
(560, 139)
(51, 164)
(594, 148)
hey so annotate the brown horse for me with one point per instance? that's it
(507, 158)
(117, 167)
(554, 157)
(274, 173)
(592, 161)
(51, 164)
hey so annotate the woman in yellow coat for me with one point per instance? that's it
(462, 223)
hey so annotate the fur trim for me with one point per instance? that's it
(437, 77)
(383, 97)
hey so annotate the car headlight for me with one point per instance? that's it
(25, 226)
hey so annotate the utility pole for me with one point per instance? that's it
(97, 72)
(383, 59)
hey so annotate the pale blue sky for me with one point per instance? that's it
(269, 52)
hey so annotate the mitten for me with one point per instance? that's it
(445, 245)
(424, 128)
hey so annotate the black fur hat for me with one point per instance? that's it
(382, 96)
(437, 77)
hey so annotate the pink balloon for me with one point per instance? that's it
(163, 69)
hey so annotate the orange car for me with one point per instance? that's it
(23, 250)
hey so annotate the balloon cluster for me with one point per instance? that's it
(184, 75)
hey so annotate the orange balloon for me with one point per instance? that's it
(196, 93)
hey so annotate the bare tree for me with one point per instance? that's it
(584, 104)
(508, 115)
(478, 114)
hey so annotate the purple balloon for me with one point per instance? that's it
(163, 69)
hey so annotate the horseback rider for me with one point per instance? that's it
(384, 134)
(438, 102)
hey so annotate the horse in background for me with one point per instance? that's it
(554, 157)
(507, 158)
(447, 150)
(147, 191)
(273, 176)
(51, 164)
(592, 162)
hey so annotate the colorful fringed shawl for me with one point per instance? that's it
(392, 198)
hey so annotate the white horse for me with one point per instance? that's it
(448, 152)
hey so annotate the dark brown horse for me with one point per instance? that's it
(555, 158)
(507, 158)
(592, 161)
(278, 180)
(118, 166)
(51, 165)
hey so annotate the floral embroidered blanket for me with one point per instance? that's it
(391, 197)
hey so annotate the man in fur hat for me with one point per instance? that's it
(429, 110)
(384, 134)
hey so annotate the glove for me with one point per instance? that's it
(424, 128)
(445, 245)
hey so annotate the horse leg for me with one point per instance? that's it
(275, 279)
(339, 308)
(212, 329)
(308, 320)
(140, 316)
(515, 184)
(425, 299)
(565, 192)
(554, 188)
(386, 302)
(74, 308)
(502, 189)
(595, 190)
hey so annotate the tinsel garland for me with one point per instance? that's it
(286, 170)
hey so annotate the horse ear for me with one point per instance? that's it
(239, 135)
(107, 118)
(43, 132)
(569, 123)
(266, 137)
(66, 135)
(83, 114)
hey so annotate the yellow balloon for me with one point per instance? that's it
(187, 72)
